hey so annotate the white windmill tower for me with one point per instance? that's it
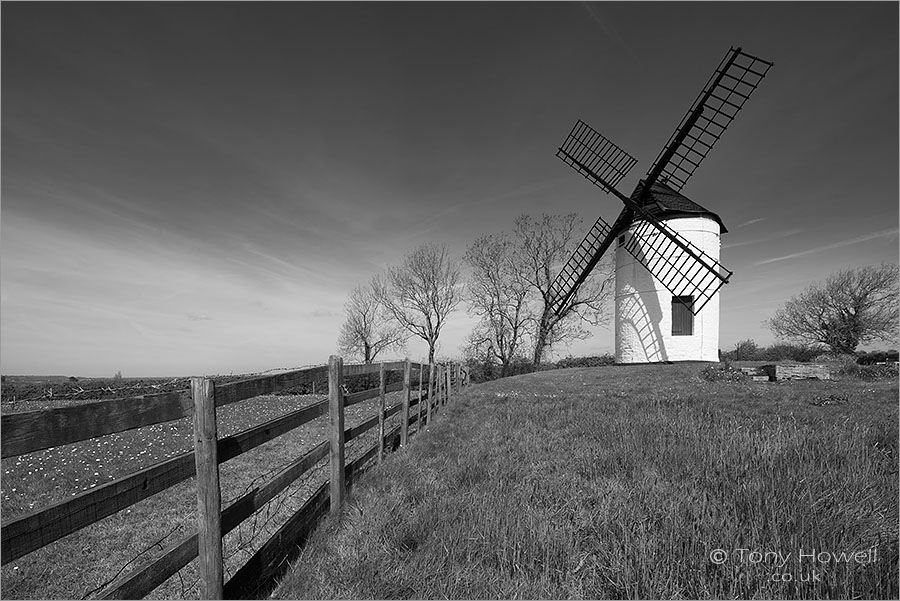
(653, 324)
(667, 246)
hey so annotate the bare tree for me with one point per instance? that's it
(544, 246)
(854, 306)
(497, 293)
(422, 292)
(369, 329)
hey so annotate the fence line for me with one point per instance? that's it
(38, 430)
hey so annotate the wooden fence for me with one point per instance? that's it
(35, 430)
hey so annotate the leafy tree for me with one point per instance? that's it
(852, 307)
(118, 376)
(497, 293)
(422, 292)
(544, 245)
(369, 329)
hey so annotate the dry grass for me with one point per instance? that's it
(619, 482)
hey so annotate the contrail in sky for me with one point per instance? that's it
(610, 33)
(775, 236)
(842, 243)
(752, 221)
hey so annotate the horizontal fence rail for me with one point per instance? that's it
(31, 431)
(37, 430)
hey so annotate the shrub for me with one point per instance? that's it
(596, 361)
(722, 372)
(784, 351)
(870, 358)
(867, 372)
(835, 360)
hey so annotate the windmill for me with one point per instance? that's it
(667, 253)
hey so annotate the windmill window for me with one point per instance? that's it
(682, 318)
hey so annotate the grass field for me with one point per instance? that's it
(637, 482)
(77, 565)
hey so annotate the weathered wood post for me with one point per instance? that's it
(381, 412)
(404, 411)
(336, 423)
(437, 387)
(449, 384)
(430, 391)
(419, 404)
(209, 496)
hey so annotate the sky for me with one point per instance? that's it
(194, 189)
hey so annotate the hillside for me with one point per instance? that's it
(639, 482)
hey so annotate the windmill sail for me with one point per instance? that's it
(592, 155)
(604, 164)
(579, 266)
(681, 267)
(729, 87)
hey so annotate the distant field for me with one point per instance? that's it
(627, 482)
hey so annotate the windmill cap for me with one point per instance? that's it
(666, 203)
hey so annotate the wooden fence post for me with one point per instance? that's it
(209, 496)
(404, 411)
(419, 405)
(381, 412)
(431, 390)
(336, 423)
(449, 383)
(437, 386)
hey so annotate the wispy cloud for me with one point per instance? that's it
(198, 317)
(774, 236)
(879, 234)
(751, 222)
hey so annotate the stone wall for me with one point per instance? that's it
(802, 372)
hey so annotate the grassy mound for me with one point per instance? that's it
(626, 482)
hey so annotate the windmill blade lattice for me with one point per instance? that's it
(595, 157)
(682, 268)
(729, 87)
(580, 264)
